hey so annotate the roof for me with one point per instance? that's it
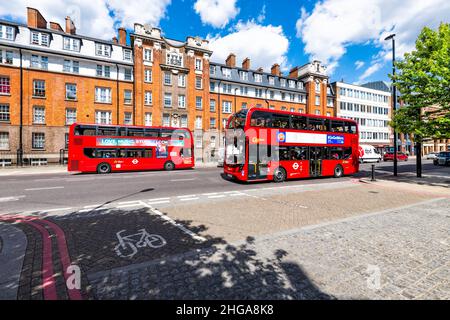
(378, 85)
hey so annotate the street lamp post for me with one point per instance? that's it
(394, 99)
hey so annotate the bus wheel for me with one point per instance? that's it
(279, 175)
(338, 171)
(169, 166)
(103, 168)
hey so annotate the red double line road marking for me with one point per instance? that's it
(48, 280)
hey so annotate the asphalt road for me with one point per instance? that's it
(65, 190)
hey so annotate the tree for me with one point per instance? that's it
(423, 80)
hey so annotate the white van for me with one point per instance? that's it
(368, 153)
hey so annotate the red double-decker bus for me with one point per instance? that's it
(107, 148)
(264, 144)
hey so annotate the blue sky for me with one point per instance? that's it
(346, 35)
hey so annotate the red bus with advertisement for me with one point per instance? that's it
(264, 144)
(108, 148)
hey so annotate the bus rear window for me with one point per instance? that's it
(85, 131)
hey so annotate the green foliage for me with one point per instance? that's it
(423, 80)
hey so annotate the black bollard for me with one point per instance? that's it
(373, 173)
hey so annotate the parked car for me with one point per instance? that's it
(443, 159)
(368, 153)
(432, 155)
(389, 156)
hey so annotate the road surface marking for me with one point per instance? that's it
(187, 196)
(216, 197)
(159, 202)
(189, 199)
(209, 194)
(158, 199)
(179, 180)
(129, 202)
(12, 198)
(174, 223)
(45, 188)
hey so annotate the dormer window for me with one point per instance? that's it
(212, 70)
(300, 85)
(40, 39)
(103, 50)
(126, 54)
(283, 82)
(71, 44)
(292, 84)
(271, 81)
(226, 72)
(174, 59)
(6, 32)
(258, 77)
(244, 75)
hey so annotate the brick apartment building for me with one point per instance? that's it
(51, 77)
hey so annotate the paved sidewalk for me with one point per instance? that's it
(393, 254)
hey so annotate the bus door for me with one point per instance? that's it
(315, 161)
(258, 161)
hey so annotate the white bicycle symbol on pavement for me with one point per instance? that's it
(129, 245)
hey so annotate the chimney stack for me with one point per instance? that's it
(122, 36)
(70, 26)
(114, 40)
(293, 73)
(260, 69)
(35, 19)
(246, 64)
(276, 70)
(56, 26)
(231, 61)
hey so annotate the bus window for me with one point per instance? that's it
(106, 153)
(148, 153)
(336, 153)
(260, 119)
(85, 131)
(154, 133)
(166, 133)
(350, 127)
(347, 153)
(106, 131)
(280, 120)
(298, 122)
(122, 153)
(337, 126)
(122, 131)
(134, 153)
(186, 153)
(135, 132)
(89, 152)
(316, 124)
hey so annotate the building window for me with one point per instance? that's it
(4, 113)
(272, 107)
(148, 119)
(198, 122)
(167, 100)
(39, 115)
(243, 90)
(198, 103)
(6, 57)
(182, 101)
(258, 93)
(103, 117)
(244, 105)
(71, 44)
(39, 88)
(103, 71)
(4, 140)
(148, 55)
(103, 50)
(5, 85)
(212, 86)
(212, 105)
(226, 107)
(127, 54)
(128, 118)
(302, 98)
(39, 38)
(258, 77)
(317, 86)
(226, 72)
(292, 97)
(283, 108)
(6, 32)
(71, 91)
(292, 109)
(212, 123)
(39, 62)
(244, 75)
(283, 82)
(226, 88)
(38, 140)
(198, 83)
(166, 120)
(283, 96)
(317, 100)
(272, 81)
(127, 96)
(184, 121)
(71, 116)
(300, 85)
(148, 75)
(301, 110)
(127, 74)
(330, 102)
(292, 84)
(317, 112)
(272, 94)
(71, 66)
(182, 80)
(148, 98)
(102, 95)
(167, 78)
(174, 59)
(198, 64)
(212, 70)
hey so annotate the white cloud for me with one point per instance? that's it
(359, 64)
(333, 25)
(262, 14)
(91, 17)
(216, 13)
(264, 45)
(369, 71)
